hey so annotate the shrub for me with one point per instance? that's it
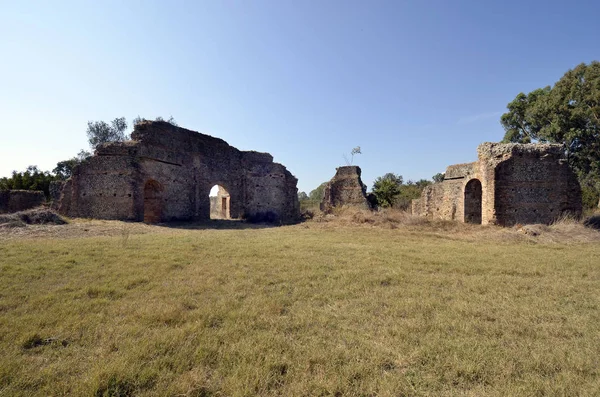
(589, 197)
(593, 222)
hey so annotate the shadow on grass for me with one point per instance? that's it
(218, 224)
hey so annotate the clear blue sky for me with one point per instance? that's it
(416, 84)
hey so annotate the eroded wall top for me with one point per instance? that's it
(345, 188)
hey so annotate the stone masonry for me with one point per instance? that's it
(509, 184)
(20, 200)
(166, 172)
(346, 188)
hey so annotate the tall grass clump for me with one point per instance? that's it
(35, 216)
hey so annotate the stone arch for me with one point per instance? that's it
(220, 202)
(473, 194)
(153, 201)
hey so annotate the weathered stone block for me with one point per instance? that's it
(20, 200)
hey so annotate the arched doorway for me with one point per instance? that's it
(220, 203)
(153, 203)
(473, 201)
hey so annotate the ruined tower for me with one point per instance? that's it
(346, 188)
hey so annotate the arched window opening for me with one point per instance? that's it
(473, 193)
(153, 203)
(220, 203)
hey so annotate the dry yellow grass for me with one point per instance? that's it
(333, 307)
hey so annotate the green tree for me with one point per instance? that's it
(64, 169)
(30, 179)
(318, 193)
(408, 192)
(567, 113)
(302, 196)
(100, 132)
(527, 116)
(387, 188)
(439, 177)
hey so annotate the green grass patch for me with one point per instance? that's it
(298, 311)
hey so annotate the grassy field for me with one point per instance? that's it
(315, 309)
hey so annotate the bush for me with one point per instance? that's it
(593, 222)
(30, 179)
(589, 197)
(309, 205)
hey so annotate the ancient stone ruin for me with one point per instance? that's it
(165, 173)
(20, 200)
(509, 184)
(346, 188)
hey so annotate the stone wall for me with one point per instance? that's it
(20, 200)
(444, 200)
(166, 172)
(346, 188)
(55, 189)
(509, 184)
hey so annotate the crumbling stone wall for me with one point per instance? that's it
(20, 200)
(444, 200)
(532, 183)
(55, 189)
(509, 184)
(166, 172)
(346, 188)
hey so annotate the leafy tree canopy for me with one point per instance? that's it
(30, 179)
(302, 196)
(64, 169)
(408, 192)
(387, 188)
(567, 113)
(390, 190)
(439, 177)
(100, 132)
(318, 193)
